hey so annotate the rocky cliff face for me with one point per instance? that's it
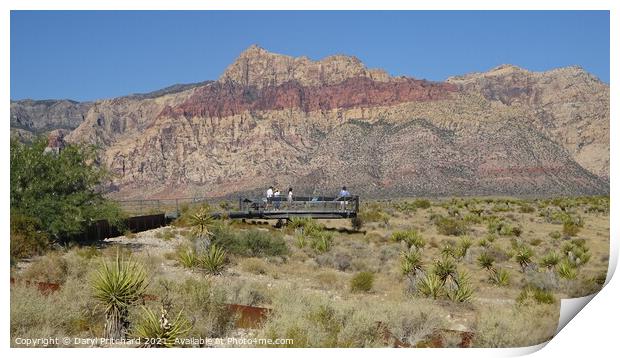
(316, 125)
(29, 117)
(567, 104)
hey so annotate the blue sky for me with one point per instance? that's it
(86, 55)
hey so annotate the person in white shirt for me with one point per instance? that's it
(276, 196)
(344, 193)
(289, 198)
(269, 196)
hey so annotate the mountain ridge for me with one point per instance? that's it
(276, 119)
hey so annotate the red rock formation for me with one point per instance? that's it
(222, 100)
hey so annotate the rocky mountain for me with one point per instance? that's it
(316, 125)
(30, 117)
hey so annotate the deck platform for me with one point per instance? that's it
(315, 207)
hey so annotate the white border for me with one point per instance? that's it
(591, 332)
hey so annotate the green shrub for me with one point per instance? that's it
(536, 295)
(451, 226)
(27, 237)
(576, 253)
(526, 209)
(556, 235)
(49, 268)
(362, 281)
(249, 243)
(422, 203)
(570, 228)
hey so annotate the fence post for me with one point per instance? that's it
(176, 201)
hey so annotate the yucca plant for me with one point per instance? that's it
(566, 271)
(448, 251)
(536, 294)
(499, 277)
(550, 260)
(410, 262)
(431, 286)
(411, 237)
(462, 247)
(445, 269)
(461, 289)
(486, 261)
(214, 260)
(524, 257)
(202, 223)
(187, 257)
(322, 242)
(159, 332)
(117, 285)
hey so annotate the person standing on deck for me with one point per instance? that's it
(289, 198)
(276, 199)
(269, 197)
(344, 193)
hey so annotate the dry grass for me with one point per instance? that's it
(309, 289)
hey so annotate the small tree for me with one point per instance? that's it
(61, 192)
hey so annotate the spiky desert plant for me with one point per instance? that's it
(411, 237)
(159, 332)
(461, 289)
(431, 286)
(410, 262)
(486, 261)
(117, 285)
(202, 223)
(566, 270)
(550, 260)
(448, 250)
(499, 277)
(524, 257)
(322, 241)
(187, 257)
(214, 260)
(462, 247)
(362, 281)
(300, 240)
(445, 269)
